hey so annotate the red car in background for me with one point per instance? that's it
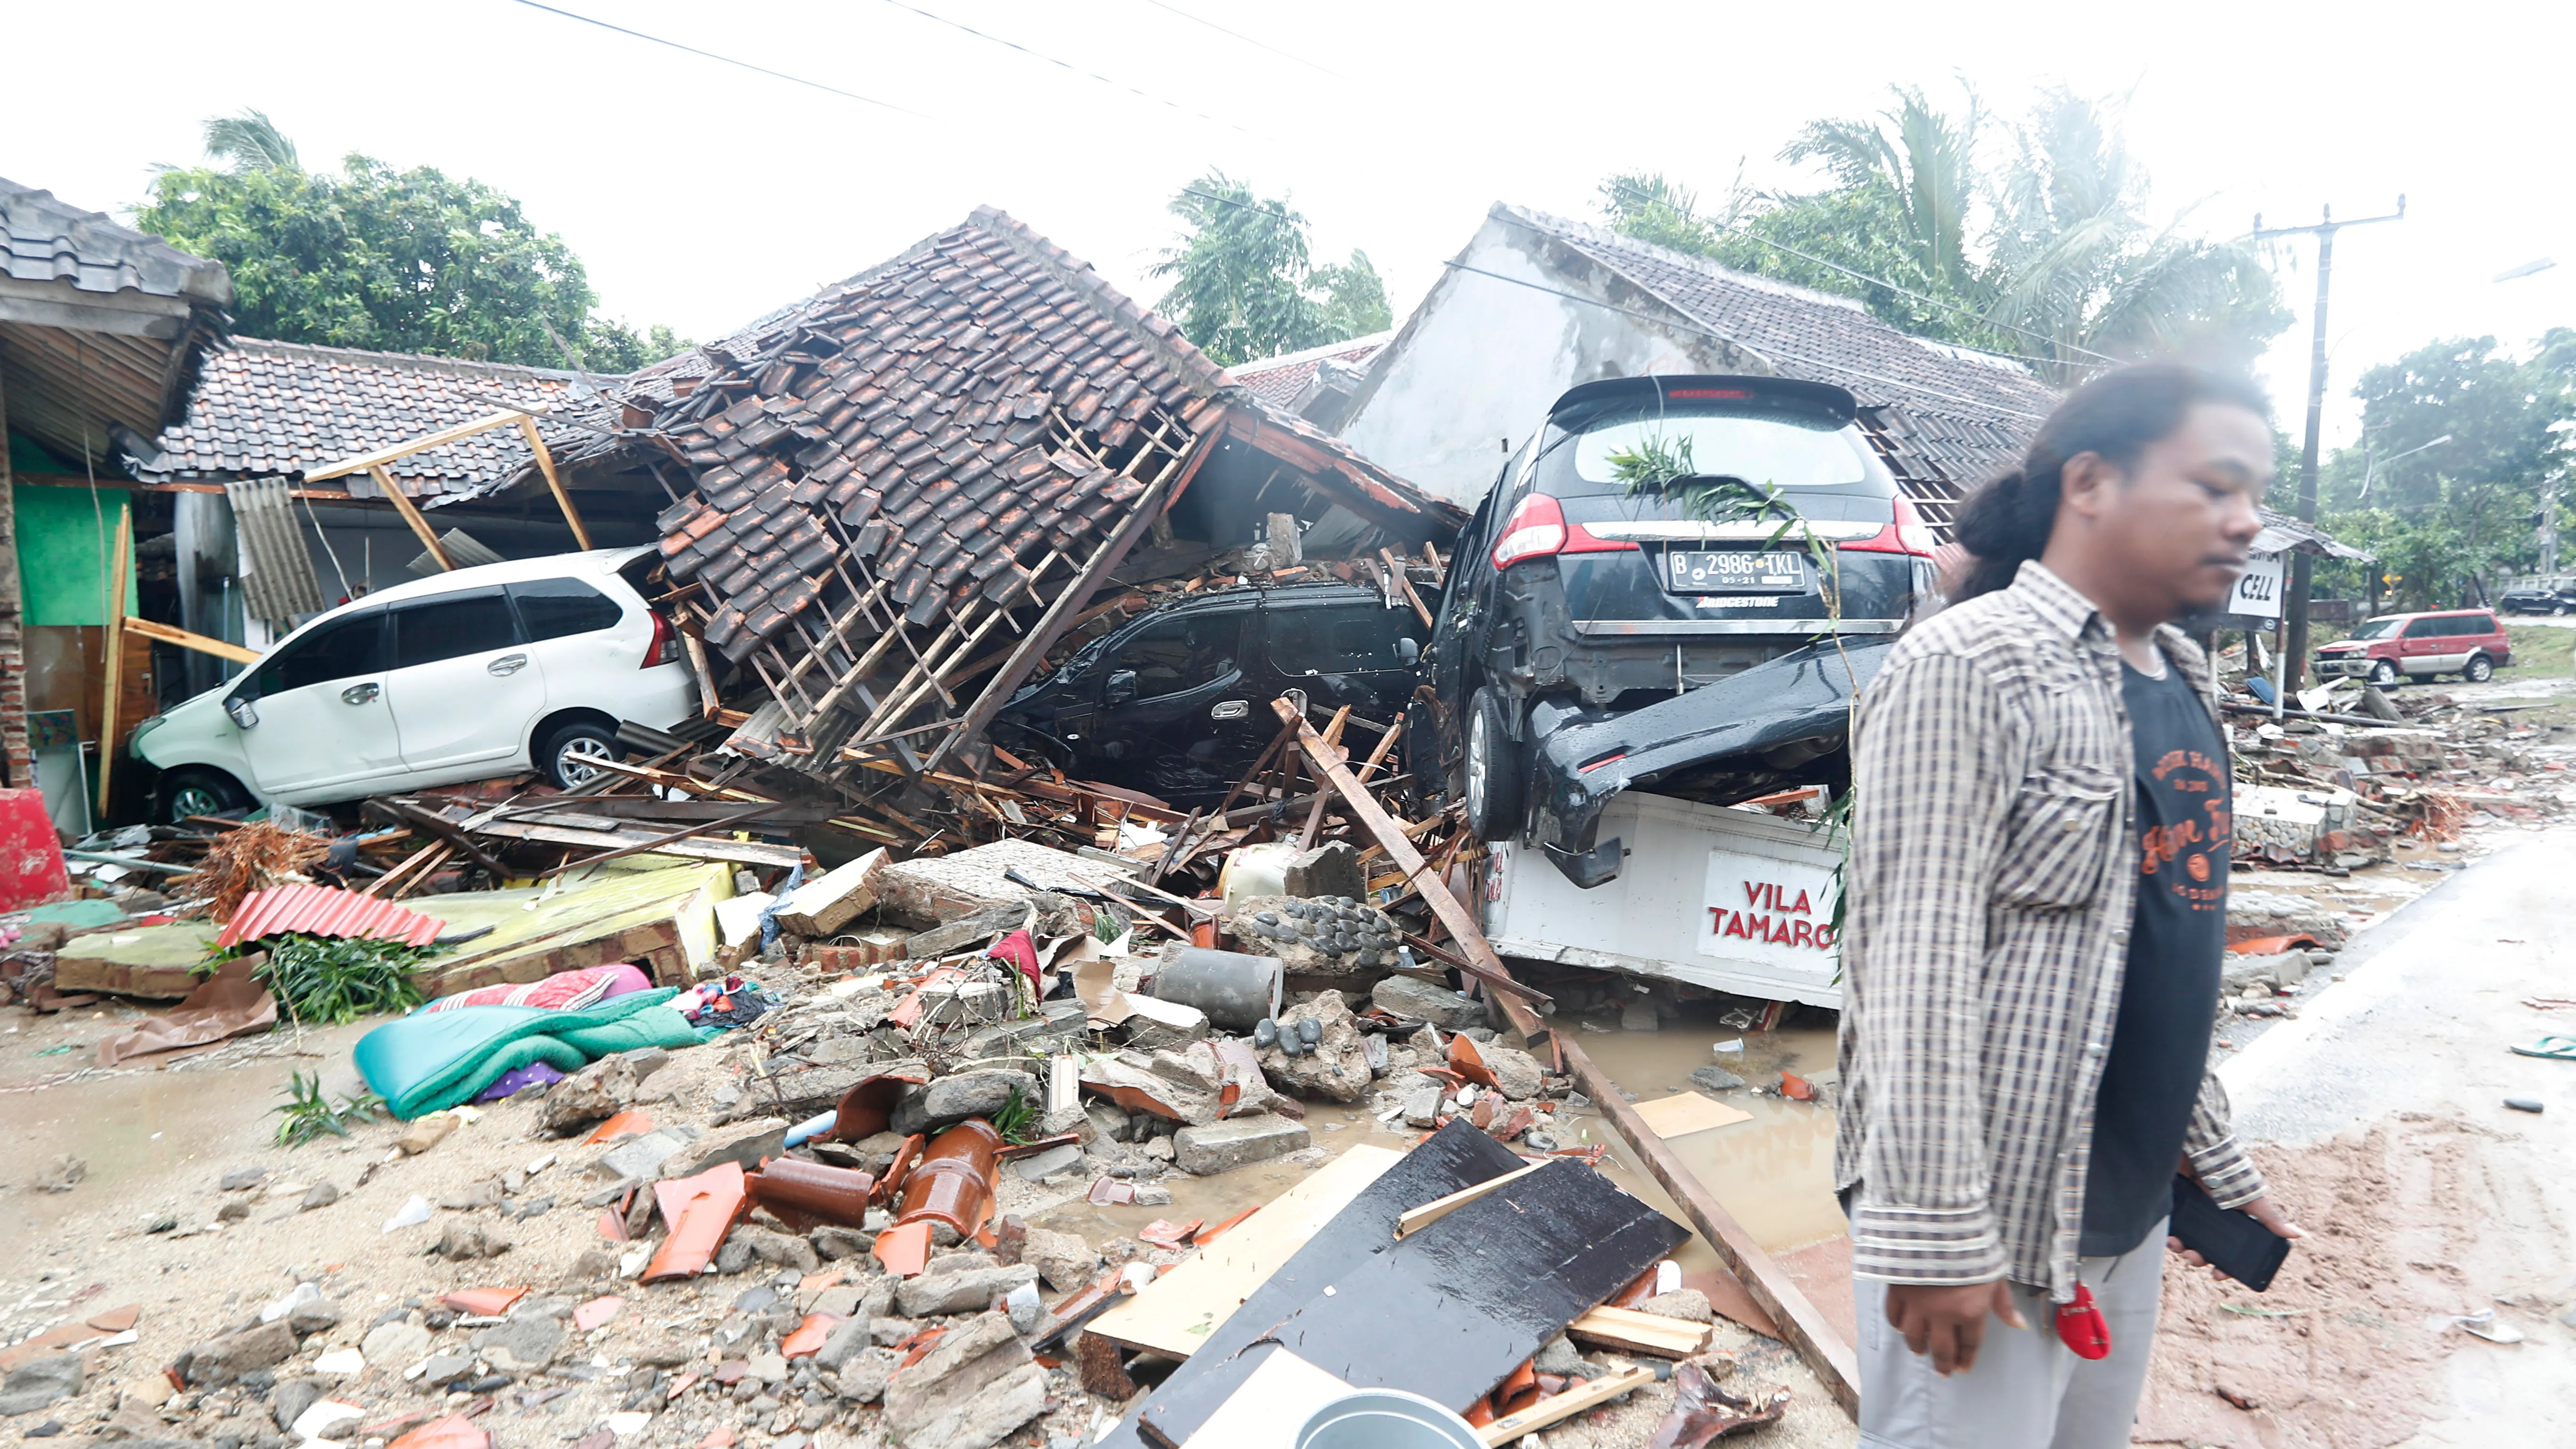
(2466, 642)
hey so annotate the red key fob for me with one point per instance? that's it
(2082, 1328)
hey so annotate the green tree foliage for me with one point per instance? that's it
(2076, 258)
(1244, 285)
(2452, 520)
(1354, 299)
(2051, 256)
(373, 257)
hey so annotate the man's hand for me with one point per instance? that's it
(2264, 1211)
(1949, 1323)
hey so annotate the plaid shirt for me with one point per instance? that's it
(1994, 870)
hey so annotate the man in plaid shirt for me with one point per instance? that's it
(2038, 911)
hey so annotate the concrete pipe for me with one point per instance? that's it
(1235, 990)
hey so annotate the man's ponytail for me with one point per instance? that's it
(2116, 415)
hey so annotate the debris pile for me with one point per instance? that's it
(2359, 774)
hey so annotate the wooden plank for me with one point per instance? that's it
(1800, 1322)
(1684, 1113)
(375, 461)
(1625, 1328)
(1432, 1212)
(743, 852)
(411, 515)
(1175, 1313)
(1395, 571)
(1563, 1406)
(118, 571)
(546, 465)
(171, 634)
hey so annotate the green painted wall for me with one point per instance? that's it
(61, 551)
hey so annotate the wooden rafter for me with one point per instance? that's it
(375, 461)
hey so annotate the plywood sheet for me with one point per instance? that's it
(1176, 1312)
(1456, 1156)
(1447, 1312)
(1684, 1113)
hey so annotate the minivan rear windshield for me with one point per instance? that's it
(1765, 446)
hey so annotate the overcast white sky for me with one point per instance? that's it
(702, 195)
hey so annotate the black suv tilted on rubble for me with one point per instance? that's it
(1177, 703)
(1576, 598)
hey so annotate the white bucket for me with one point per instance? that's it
(1386, 1419)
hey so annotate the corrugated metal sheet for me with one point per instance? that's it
(278, 584)
(311, 910)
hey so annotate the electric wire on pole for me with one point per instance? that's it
(2295, 647)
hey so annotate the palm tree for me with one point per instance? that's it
(2078, 262)
(1920, 163)
(251, 142)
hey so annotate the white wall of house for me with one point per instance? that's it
(1472, 372)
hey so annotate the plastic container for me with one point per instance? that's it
(1255, 870)
(1386, 1419)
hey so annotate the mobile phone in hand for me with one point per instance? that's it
(2234, 1242)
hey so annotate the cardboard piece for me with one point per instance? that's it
(1684, 1113)
(228, 1004)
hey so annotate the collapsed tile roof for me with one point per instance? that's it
(1278, 380)
(282, 409)
(957, 431)
(1956, 417)
(101, 326)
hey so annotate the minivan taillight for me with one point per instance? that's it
(1537, 529)
(1907, 534)
(665, 648)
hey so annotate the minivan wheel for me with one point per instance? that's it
(1493, 769)
(571, 755)
(2480, 669)
(199, 792)
(2383, 673)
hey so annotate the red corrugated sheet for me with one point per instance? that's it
(311, 910)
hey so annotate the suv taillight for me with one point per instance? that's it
(665, 648)
(1537, 529)
(1907, 534)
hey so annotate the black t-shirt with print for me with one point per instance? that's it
(2160, 1045)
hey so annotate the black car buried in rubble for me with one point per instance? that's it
(1177, 702)
(1596, 637)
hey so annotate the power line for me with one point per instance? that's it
(1844, 368)
(1060, 64)
(728, 60)
(1747, 232)
(1248, 40)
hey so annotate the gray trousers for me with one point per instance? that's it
(2028, 1390)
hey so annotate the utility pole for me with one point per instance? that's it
(2296, 612)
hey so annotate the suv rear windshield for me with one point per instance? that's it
(1764, 445)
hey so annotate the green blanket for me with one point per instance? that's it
(431, 1060)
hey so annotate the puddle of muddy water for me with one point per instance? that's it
(149, 1130)
(1775, 1172)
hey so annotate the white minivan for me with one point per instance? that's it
(474, 673)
